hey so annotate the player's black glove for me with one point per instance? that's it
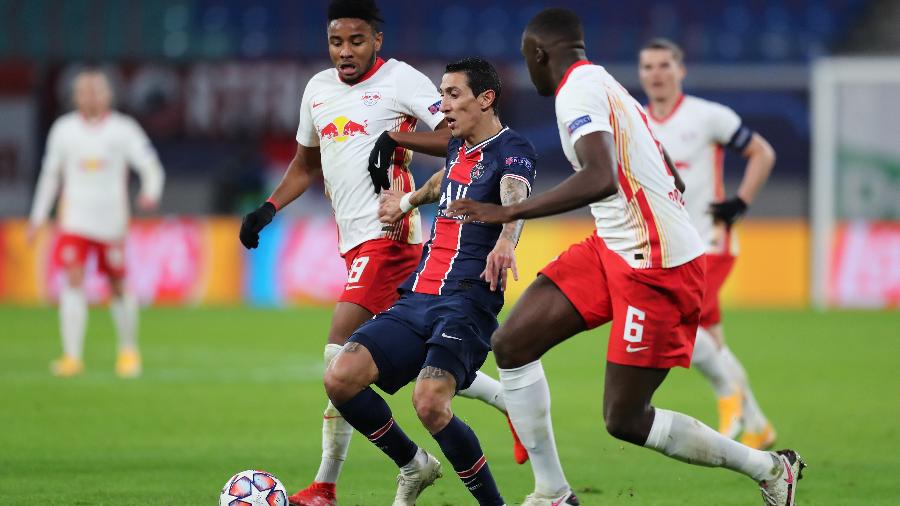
(728, 211)
(254, 222)
(380, 160)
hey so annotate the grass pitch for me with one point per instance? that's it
(232, 389)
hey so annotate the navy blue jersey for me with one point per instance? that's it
(456, 255)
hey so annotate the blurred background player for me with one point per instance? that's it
(695, 133)
(643, 270)
(88, 154)
(440, 328)
(357, 129)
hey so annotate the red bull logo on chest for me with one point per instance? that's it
(342, 128)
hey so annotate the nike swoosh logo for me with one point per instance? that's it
(354, 287)
(378, 161)
(450, 337)
(629, 349)
(317, 104)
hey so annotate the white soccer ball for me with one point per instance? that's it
(253, 488)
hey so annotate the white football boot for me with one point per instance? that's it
(782, 490)
(411, 483)
(538, 499)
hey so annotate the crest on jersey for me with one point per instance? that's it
(371, 98)
(476, 172)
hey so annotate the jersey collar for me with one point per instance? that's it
(482, 144)
(667, 117)
(569, 71)
(369, 73)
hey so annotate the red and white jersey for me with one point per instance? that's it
(645, 221)
(695, 135)
(90, 158)
(345, 121)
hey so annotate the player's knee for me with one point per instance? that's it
(432, 409)
(507, 352)
(344, 380)
(625, 424)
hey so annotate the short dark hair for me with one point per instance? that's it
(481, 76)
(663, 43)
(365, 10)
(556, 21)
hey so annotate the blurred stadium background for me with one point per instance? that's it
(216, 84)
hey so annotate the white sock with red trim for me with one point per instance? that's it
(688, 440)
(73, 315)
(336, 433)
(487, 390)
(124, 312)
(527, 396)
(712, 364)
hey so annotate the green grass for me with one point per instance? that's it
(231, 389)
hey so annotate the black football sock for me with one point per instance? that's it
(462, 449)
(371, 416)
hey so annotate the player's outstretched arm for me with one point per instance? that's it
(503, 256)
(760, 160)
(596, 153)
(393, 205)
(303, 169)
(47, 186)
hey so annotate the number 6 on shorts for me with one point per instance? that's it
(634, 331)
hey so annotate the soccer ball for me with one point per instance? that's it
(253, 488)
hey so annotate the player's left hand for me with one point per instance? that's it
(472, 210)
(380, 160)
(728, 211)
(499, 260)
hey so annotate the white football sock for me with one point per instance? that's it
(72, 320)
(124, 312)
(712, 365)
(688, 440)
(336, 433)
(485, 389)
(754, 419)
(527, 397)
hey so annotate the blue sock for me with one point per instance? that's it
(371, 416)
(461, 447)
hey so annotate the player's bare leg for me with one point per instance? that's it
(72, 323)
(758, 431)
(124, 310)
(336, 432)
(629, 416)
(518, 345)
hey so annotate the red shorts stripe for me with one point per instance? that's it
(654, 312)
(472, 471)
(441, 253)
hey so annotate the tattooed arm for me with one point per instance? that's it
(503, 256)
(390, 209)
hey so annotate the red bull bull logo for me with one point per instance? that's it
(342, 128)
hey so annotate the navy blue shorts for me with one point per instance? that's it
(450, 332)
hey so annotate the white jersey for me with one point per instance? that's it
(345, 121)
(90, 158)
(645, 221)
(695, 135)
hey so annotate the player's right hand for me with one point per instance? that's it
(254, 222)
(31, 235)
(499, 260)
(389, 206)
